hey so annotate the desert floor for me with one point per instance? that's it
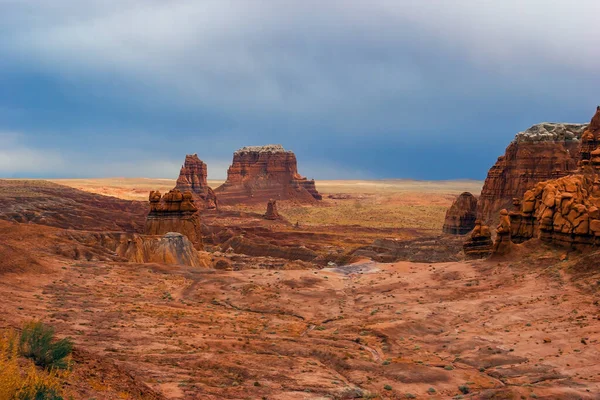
(406, 204)
(517, 328)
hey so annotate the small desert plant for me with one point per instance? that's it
(36, 342)
(31, 384)
(464, 389)
(387, 387)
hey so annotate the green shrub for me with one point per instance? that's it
(387, 387)
(36, 342)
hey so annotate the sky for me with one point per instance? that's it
(363, 89)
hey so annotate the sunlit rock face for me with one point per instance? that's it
(260, 173)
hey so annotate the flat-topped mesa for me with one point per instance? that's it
(544, 151)
(192, 178)
(565, 211)
(461, 216)
(260, 173)
(174, 212)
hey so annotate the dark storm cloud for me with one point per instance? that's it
(417, 89)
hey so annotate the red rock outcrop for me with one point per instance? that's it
(502, 244)
(542, 152)
(461, 216)
(192, 178)
(272, 213)
(174, 212)
(171, 248)
(565, 211)
(259, 173)
(479, 244)
(591, 137)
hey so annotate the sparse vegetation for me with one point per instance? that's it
(23, 381)
(37, 343)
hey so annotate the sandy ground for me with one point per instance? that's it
(387, 330)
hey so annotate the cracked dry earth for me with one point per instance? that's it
(481, 329)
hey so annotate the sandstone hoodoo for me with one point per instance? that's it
(174, 212)
(461, 216)
(502, 244)
(272, 213)
(192, 178)
(479, 244)
(542, 152)
(260, 173)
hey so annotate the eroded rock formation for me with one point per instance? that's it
(479, 244)
(564, 211)
(272, 213)
(174, 212)
(171, 248)
(192, 178)
(544, 151)
(502, 244)
(461, 216)
(259, 173)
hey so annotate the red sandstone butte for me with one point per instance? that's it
(461, 216)
(544, 151)
(260, 173)
(192, 178)
(174, 212)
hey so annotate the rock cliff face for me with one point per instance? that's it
(565, 211)
(192, 178)
(174, 212)
(544, 151)
(461, 216)
(260, 173)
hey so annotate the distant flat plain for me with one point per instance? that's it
(390, 203)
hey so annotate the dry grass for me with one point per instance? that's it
(376, 204)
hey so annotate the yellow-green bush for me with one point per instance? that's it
(20, 379)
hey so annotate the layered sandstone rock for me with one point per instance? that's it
(174, 212)
(192, 178)
(591, 137)
(479, 244)
(565, 211)
(461, 216)
(272, 213)
(502, 244)
(171, 248)
(259, 173)
(544, 151)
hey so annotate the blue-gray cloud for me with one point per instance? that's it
(384, 88)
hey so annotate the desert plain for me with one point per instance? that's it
(262, 327)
